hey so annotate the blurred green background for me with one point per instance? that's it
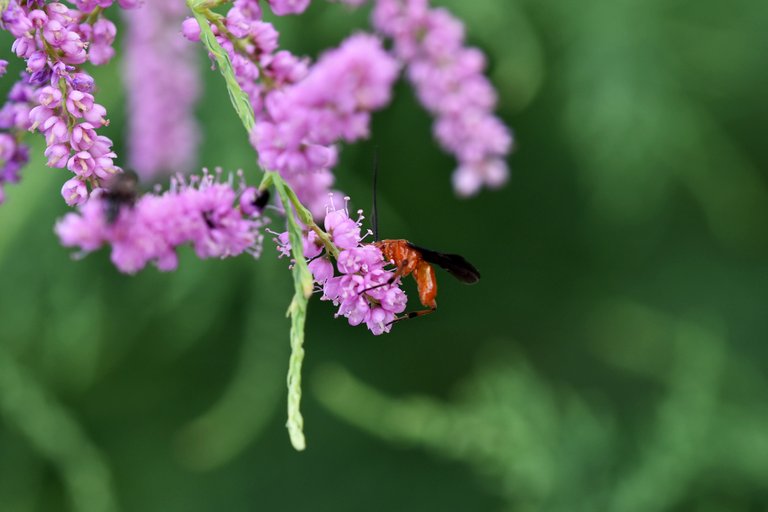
(613, 358)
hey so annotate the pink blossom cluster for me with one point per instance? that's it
(279, 7)
(204, 212)
(449, 81)
(301, 112)
(300, 125)
(55, 40)
(283, 7)
(14, 114)
(14, 120)
(252, 47)
(88, 6)
(364, 290)
(162, 86)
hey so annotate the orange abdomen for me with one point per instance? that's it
(425, 280)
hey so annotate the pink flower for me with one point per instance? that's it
(449, 82)
(103, 35)
(55, 39)
(86, 229)
(301, 123)
(74, 192)
(364, 291)
(162, 82)
(79, 103)
(83, 137)
(344, 231)
(283, 7)
(190, 28)
(201, 212)
(57, 155)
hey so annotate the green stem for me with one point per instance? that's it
(305, 216)
(241, 45)
(266, 181)
(91, 19)
(297, 216)
(239, 99)
(294, 232)
(303, 283)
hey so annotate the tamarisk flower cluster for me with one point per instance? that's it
(283, 7)
(302, 112)
(55, 40)
(14, 120)
(364, 290)
(302, 123)
(251, 45)
(201, 211)
(449, 81)
(162, 86)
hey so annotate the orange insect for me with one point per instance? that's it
(413, 260)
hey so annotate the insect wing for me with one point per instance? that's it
(122, 188)
(454, 264)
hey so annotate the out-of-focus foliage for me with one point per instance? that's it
(612, 358)
(546, 449)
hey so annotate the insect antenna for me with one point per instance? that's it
(374, 207)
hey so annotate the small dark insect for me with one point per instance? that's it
(412, 259)
(121, 190)
(253, 201)
(261, 200)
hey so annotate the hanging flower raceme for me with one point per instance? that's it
(13, 156)
(357, 280)
(297, 115)
(14, 120)
(297, 133)
(449, 81)
(203, 212)
(161, 76)
(252, 47)
(55, 40)
(302, 112)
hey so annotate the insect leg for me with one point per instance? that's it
(402, 270)
(413, 314)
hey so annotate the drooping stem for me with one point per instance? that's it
(239, 99)
(297, 216)
(302, 281)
